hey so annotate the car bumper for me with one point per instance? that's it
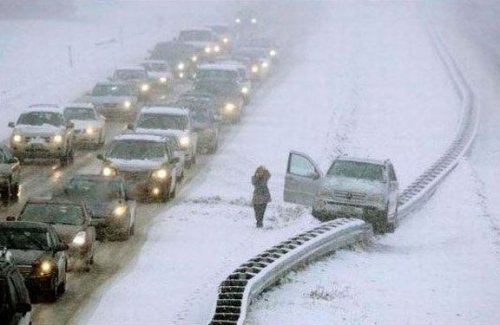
(110, 226)
(23, 150)
(148, 189)
(332, 209)
(39, 283)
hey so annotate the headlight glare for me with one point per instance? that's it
(89, 130)
(120, 210)
(272, 53)
(194, 58)
(80, 238)
(184, 141)
(160, 174)
(245, 90)
(108, 171)
(181, 66)
(229, 107)
(255, 68)
(17, 138)
(144, 87)
(225, 40)
(58, 138)
(208, 50)
(46, 267)
(127, 104)
(163, 80)
(216, 48)
(265, 65)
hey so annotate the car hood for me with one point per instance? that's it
(37, 130)
(82, 124)
(352, 185)
(159, 74)
(201, 44)
(135, 165)
(67, 232)
(178, 133)
(110, 99)
(26, 257)
(100, 209)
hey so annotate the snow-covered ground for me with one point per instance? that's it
(358, 86)
(441, 266)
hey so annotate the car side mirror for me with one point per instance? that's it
(130, 126)
(100, 156)
(70, 125)
(11, 125)
(174, 160)
(23, 307)
(93, 222)
(61, 247)
(10, 218)
(12, 161)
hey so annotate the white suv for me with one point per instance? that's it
(162, 120)
(42, 132)
(352, 187)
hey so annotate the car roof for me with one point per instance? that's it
(131, 67)
(218, 66)
(53, 108)
(24, 224)
(139, 137)
(79, 105)
(164, 110)
(96, 177)
(154, 61)
(112, 83)
(363, 160)
(200, 29)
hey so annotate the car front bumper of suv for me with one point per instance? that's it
(38, 150)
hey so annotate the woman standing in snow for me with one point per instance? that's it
(261, 195)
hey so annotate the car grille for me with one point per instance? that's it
(45, 139)
(25, 270)
(135, 176)
(348, 196)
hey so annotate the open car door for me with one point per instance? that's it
(302, 179)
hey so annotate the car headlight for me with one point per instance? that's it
(216, 49)
(229, 107)
(17, 138)
(90, 130)
(253, 20)
(324, 192)
(194, 58)
(108, 171)
(181, 75)
(245, 90)
(144, 87)
(160, 174)
(237, 20)
(225, 40)
(272, 53)
(181, 66)
(120, 210)
(44, 266)
(184, 141)
(80, 239)
(265, 65)
(255, 68)
(127, 104)
(163, 80)
(208, 50)
(58, 138)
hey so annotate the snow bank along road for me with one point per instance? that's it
(441, 266)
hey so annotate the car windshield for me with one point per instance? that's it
(162, 122)
(200, 115)
(214, 87)
(129, 74)
(220, 29)
(195, 36)
(155, 67)
(94, 188)
(229, 75)
(41, 118)
(79, 113)
(24, 238)
(137, 150)
(52, 213)
(172, 51)
(354, 169)
(111, 90)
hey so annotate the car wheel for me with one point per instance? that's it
(62, 286)
(14, 192)
(214, 147)
(53, 294)
(165, 195)
(5, 192)
(172, 195)
(381, 223)
(132, 230)
(188, 164)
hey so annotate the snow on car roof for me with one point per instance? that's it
(139, 137)
(364, 160)
(218, 66)
(132, 67)
(232, 63)
(164, 110)
(154, 61)
(44, 108)
(79, 105)
(205, 29)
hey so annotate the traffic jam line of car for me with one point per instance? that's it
(57, 234)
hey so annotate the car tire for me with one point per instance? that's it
(14, 192)
(132, 230)
(214, 147)
(188, 164)
(53, 294)
(62, 286)
(5, 192)
(172, 195)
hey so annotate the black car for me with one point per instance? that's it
(10, 174)
(113, 213)
(228, 94)
(39, 254)
(182, 57)
(15, 303)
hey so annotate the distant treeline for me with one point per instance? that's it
(36, 8)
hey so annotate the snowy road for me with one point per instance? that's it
(441, 266)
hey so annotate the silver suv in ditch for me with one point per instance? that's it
(352, 187)
(42, 132)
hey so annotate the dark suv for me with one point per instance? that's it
(15, 304)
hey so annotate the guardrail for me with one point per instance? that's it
(262, 271)
(259, 273)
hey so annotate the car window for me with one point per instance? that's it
(79, 113)
(24, 238)
(111, 90)
(94, 188)
(65, 214)
(41, 118)
(155, 67)
(301, 166)
(129, 74)
(137, 150)
(217, 74)
(195, 35)
(355, 169)
(392, 173)
(162, 122)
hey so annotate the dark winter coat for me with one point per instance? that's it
(261, 193)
